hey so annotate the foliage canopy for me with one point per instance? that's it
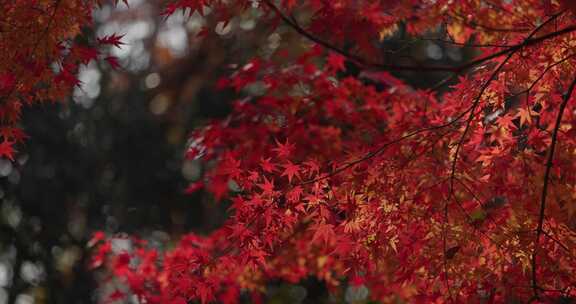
(462, 191)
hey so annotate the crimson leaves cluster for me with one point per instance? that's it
(462, 192)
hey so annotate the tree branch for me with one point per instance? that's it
(539, 230)
(420, 68)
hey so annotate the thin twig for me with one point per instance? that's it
(383, 147)
(471, 116)
(418, 68)
(549, 163)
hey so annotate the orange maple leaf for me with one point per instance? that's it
(525, 116)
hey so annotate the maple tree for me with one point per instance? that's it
(42, 45)
(463, 191)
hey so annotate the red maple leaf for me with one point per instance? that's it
(336, 62)
(13, 134)
(205, 292)
(115, 40)
(219, 187)
(506, 122)
(267, 165)
(313, 167)
(85, 54)
(194, 187)
(231, 167)
(290, 170)
(113, 62)
(284, 150)
(267, 186)
(7, 149)
(294, 194)
(324, 233)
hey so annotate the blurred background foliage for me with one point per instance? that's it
(112, 157)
